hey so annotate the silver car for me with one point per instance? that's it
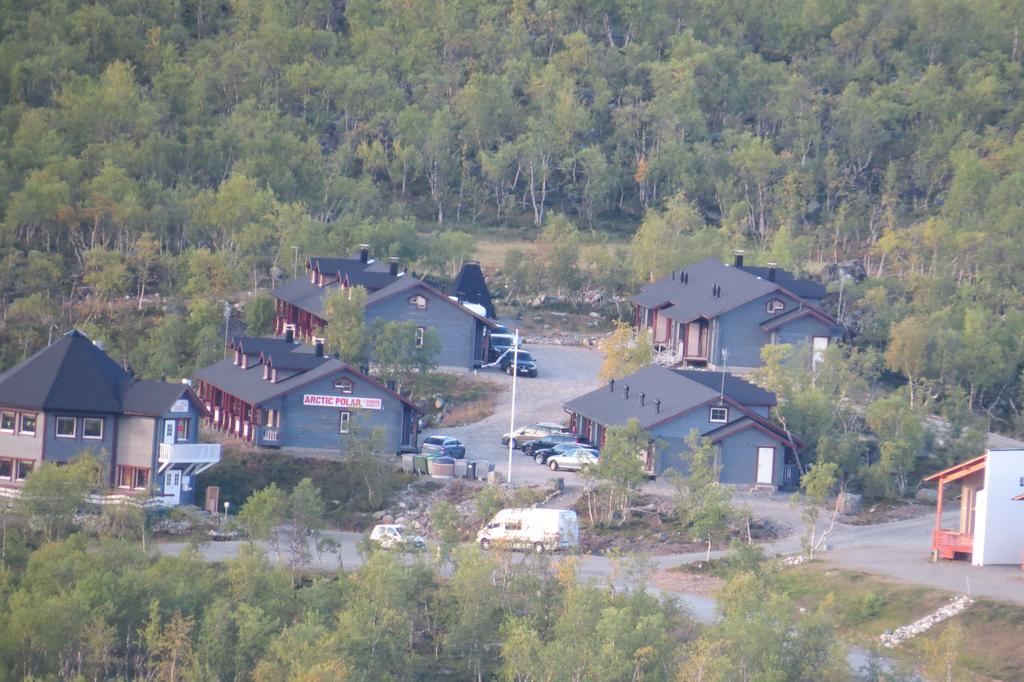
(573, 460)
(443, 446)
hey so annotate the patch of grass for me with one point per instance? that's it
(865, 606)
(466, 399)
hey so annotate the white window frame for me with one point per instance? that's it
(74, 428)
(345, 422)
(421, 333)
(14, 421)
(419, 301)
(21, 423)
(345, 385)
(92, 419)
(17, 469)
(773, 306)
(711, 415)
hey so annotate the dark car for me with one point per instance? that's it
(524, 363)
(443, 446)
(500, 329)
(542, 456)
(497, 344)
(548, 442)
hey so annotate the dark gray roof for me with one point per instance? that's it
(371, 274)
(695, 298)
(471, 287)
(290, 361)
(74, 374)
(740, 390)
(804, 288)
(679, 391)
(304, 294)
(796, 313)
(154, 398)
(259, 345)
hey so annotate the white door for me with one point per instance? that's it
(172, 486)
(765, 465)
(169, 428)
(819, 344)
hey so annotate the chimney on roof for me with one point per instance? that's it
(684, 276)
(673, 274)
(625, 392)
(611, 385)
(738, 258)
(393, 266)
(643, 397)
(364, 253)
(657, 406)
(238, 357)
(319, 348)
(771, 272)
(289, 335)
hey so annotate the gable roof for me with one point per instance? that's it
(689, 293)
(961, 470)
(471, 287)
(154, 398)
(249, 385)
(680, 391)
(409, 284)
(804, 288)
(802, 310)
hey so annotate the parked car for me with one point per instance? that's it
(573, 460)
(394, 536)
(541, 456)
(501, 329)
(525, 434)
(548, 442)
(540, 530)
(524, 363)
(499, 343)
(445, 446)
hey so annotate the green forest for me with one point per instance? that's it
(178, 153)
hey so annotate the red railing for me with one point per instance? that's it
(948, 543)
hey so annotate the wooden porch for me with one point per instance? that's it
(948, 543)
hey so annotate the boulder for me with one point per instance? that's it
(849, 503)
(927, 495)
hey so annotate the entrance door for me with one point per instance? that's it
(172, 486)
(169, 427)
(819, 344)
(765, 465)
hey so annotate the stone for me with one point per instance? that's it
(849, 503)
(495, 477)
(595, 315)
(927, 495)
(387, 518)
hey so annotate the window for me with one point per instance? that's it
(719, 415)
(66, 427)
(28, 425)
(420, 333)
(773, 306)
(514, 525)
(24, 468)
(92, 428)
(132, 478)
(6, 469)
(346, 418)
(181, 430)
(418, 302)
(7, 422)
(343, 385)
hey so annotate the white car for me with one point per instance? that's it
(573, 460)
(525, 434)
(393, 536)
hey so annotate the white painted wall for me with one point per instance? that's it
(999, 525)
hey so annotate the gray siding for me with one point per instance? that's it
(136, 439)
(739, 331)
(738, 456)
(66, 449)
(317, 428)
(459, 331)
(23, 447)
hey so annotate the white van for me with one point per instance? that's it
(539, 530)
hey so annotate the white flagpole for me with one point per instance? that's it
(512, 418)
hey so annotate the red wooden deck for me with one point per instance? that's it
(948, 543)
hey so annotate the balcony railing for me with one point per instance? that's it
(267, 435)
(189, 453)
(947, 543)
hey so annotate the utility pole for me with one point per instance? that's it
(227, 323)
(295, 266)
(512, 418)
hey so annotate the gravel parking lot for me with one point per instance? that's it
(564, 373)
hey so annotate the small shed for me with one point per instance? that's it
(991, 525)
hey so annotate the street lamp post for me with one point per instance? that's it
(512, 417)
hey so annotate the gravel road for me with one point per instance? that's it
(564, 373)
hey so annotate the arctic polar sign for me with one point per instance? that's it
(349, 401)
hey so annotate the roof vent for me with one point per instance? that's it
(625, 392)
(393, 266)
(657, 406)
(738, 258)
(673, 274)
(771, 272)
(611, 385)
(643, 397)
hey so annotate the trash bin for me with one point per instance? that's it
(461, 466)
(470, 469)
(408, 463)
(482, 469)
(419, 464)
(441, 467)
